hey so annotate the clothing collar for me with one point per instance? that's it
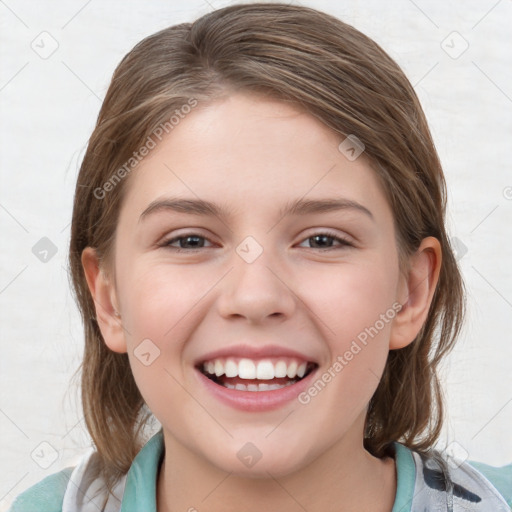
(405, 478)
(140, 488)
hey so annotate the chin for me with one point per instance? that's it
(251, 462)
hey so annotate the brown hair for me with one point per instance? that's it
(344, 79)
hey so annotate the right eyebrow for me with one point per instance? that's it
(180, 205)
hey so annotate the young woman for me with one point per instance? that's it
(260, 258)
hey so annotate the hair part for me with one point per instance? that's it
(330, 70)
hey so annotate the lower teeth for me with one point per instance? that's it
(257, 387)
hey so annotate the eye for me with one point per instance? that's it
(323, 241)
(187, 242)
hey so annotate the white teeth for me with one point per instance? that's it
(219, 368)
(257, 387)
(231, 368)
(292, 370)
(301, 370)
(280, 370)
(264, 369)
(246, 369)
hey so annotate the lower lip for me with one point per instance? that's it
(255, 401)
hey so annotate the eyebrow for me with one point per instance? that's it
(297, 207)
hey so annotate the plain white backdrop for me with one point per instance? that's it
(56, 62)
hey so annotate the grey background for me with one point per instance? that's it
(49, 103)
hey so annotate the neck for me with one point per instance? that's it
(345, 477)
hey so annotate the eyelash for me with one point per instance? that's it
(343, 241)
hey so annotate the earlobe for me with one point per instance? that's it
(416, 293)
(105, 302)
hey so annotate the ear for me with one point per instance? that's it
(105, 301)
(415, 293)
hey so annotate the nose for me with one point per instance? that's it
(256, 291)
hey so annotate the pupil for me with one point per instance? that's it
(185, 241)
(323, 238)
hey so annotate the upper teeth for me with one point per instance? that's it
(264, 369)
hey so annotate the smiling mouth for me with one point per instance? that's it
(248, 375)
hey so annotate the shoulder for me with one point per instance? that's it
(73, 489)
(44, 496)
(441, 482)
(451, 481)
(82, 488)
(499, 477)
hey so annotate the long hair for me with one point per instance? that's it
(344, 79)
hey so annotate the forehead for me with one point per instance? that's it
(249, 153)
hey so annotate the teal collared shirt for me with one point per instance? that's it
(478, 487)
(140, 489)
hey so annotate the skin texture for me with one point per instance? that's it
(251, 156)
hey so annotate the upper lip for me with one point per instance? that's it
(254, 352)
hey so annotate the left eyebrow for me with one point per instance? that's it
(297, 207)
(305, 207)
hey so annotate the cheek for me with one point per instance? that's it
(346, 299)
(349, 309)
(157, 296)
(160, 310)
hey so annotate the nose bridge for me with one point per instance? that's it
(254, 288)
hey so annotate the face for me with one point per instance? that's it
(256, 288)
